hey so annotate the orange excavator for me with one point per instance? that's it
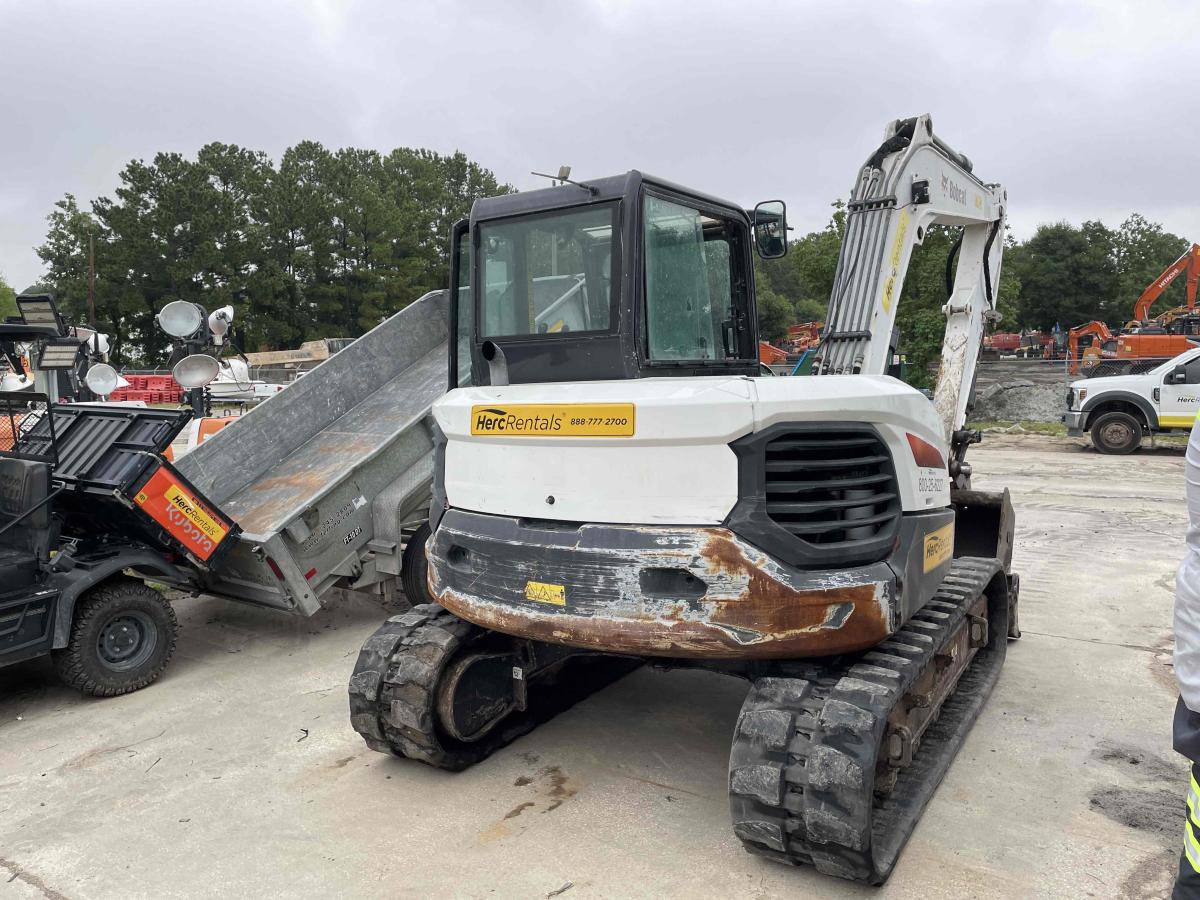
(1188, 263)
(1142, 338)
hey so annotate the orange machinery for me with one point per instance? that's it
(1089, 344)
(1168, 335)
(1189, 262)
(805, 336)
(771, 355)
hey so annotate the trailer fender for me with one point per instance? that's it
(87, 573)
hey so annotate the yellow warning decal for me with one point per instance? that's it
(939, 546)
(889, 286)
(539, 592)
(554, 420)
(187, 507)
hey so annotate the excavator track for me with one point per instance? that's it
(823, 771)
(394, 699)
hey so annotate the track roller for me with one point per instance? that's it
(433, 687)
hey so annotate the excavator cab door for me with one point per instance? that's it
(461, 311)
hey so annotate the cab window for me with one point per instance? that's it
(548, 275)
(695, 283)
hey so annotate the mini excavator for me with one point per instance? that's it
(615, 485)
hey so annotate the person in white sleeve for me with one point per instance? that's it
(1187, 672)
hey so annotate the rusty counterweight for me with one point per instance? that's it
(659, 591)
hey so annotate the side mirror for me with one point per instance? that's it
(770, 229)
(1179, 375)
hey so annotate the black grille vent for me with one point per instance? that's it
(831, 487)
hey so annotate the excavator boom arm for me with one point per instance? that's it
(913, 181)
(1189, 262)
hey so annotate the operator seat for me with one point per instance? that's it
(24, 548)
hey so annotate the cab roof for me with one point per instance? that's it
(613, 187)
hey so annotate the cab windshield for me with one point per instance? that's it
(548, 274)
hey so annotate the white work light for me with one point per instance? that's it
(195, 371)
(219, 321)
(102, 379)
(181, 319)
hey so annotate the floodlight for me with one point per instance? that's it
(181, 319)
(41, 310)
(11, 381)
(237, 370)
(102, 379)
(219, 321)
(59, 355)
(195, 371)
(94, 341)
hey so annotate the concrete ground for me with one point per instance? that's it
(238, 774)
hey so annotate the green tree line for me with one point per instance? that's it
(1063, 275)
(324, 243)
(8, 299)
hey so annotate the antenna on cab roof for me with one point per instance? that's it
(564, 177)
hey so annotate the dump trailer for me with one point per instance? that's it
(629, 490)
(329, 480)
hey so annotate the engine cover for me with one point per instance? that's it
(656, 451)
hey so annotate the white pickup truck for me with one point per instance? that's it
(1119, 410)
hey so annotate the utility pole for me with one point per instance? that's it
(91, 279)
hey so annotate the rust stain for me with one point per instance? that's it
(258, 506)
(767, 619)
(833, 620)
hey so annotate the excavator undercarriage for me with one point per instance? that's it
(833, 760)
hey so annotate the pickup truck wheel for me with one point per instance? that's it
(1117, 433)
(122, 639)
(414, 568)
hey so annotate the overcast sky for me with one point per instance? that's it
(1083, 110)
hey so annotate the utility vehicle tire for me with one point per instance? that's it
(1117, 433)
(121, 640)
(414, 568)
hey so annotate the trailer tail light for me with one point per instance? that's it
(924, 453)
(274, 567)
(308, 576)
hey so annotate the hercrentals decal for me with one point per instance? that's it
(554, 420)
(169, 503)
(939, 546)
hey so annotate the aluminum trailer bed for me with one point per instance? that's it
(329, 478)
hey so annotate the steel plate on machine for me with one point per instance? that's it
(554, 420)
